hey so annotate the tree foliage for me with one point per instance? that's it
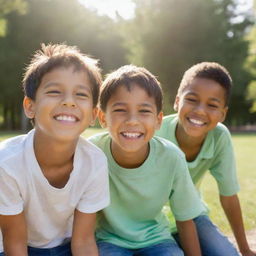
(54, 21)
(8, 6)
(172, 35)
(166, 36)
(251, 95)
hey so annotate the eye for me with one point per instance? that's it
(212, 106)
(82, 95)
(190, 99)
(53, 92)
(119, 110)
(145, 111)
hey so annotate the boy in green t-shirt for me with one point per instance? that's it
(202, 103)
(145, 172)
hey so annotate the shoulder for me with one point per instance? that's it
(90, 156)
(100, 139)
(89, 148)
(168, 157)
(221, 133)
(221, 128)
(167, 127)
(11, 148)
(12, 153)
(167, 148)
(169, 119)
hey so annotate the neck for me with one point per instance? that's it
(129, 160)
(51, 153)
(191, 146)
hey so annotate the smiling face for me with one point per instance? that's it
(63, 106)
(200, 106)
(131, 118)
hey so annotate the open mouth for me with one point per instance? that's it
(66, 118)
(131, 135)
(196, 122)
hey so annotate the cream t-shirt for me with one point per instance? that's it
(49, 210)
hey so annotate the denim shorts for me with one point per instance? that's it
(212, 241)
(167, 248)
(61, 250)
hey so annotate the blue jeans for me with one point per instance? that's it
(61, 250)
(212, 241)
(168, 248)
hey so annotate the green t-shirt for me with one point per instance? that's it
(216, 155)
(134, 218)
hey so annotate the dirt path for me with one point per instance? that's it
(251, 237)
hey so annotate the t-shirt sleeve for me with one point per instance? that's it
(184, 199)
(11, 202)
(96, 196)
(223, 168)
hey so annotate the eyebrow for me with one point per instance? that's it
(80, 86)
(212, 98)
(117, 104)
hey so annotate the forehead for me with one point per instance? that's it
(62, 75)
(132, 94)
(205, 87)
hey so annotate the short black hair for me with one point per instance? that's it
(128, 76)
(208, 70)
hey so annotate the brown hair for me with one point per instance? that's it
(53, 56)
(128, 76)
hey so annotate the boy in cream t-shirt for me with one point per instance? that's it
(52, 181)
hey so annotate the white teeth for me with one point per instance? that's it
(197, 122)
(65, 118)
(131, 135)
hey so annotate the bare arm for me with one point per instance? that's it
(232, 209)
(188, 238)
(83, 239)
(14, 232)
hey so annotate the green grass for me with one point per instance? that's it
(245, 146)
(7, 134)
(91, 131)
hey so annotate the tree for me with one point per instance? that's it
(54, 21)
(251, 95)
(8, 6)
(172, 35)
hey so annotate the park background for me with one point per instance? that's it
(166, 37)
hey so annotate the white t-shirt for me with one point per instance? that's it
(49, 210)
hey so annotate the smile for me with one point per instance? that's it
(66, 118)
(196, 122)
(131, 135)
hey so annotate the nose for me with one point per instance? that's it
(68, 100)
(132, 119)
(200, 109)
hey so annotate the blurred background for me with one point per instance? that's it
(165, 36)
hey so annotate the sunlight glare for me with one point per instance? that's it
(125, 8)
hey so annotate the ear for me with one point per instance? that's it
(176, 103)
(94, 116)
(224, 114)
(159, 120)
(102, 119)
(29, 107)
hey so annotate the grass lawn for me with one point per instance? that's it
(245, 147)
